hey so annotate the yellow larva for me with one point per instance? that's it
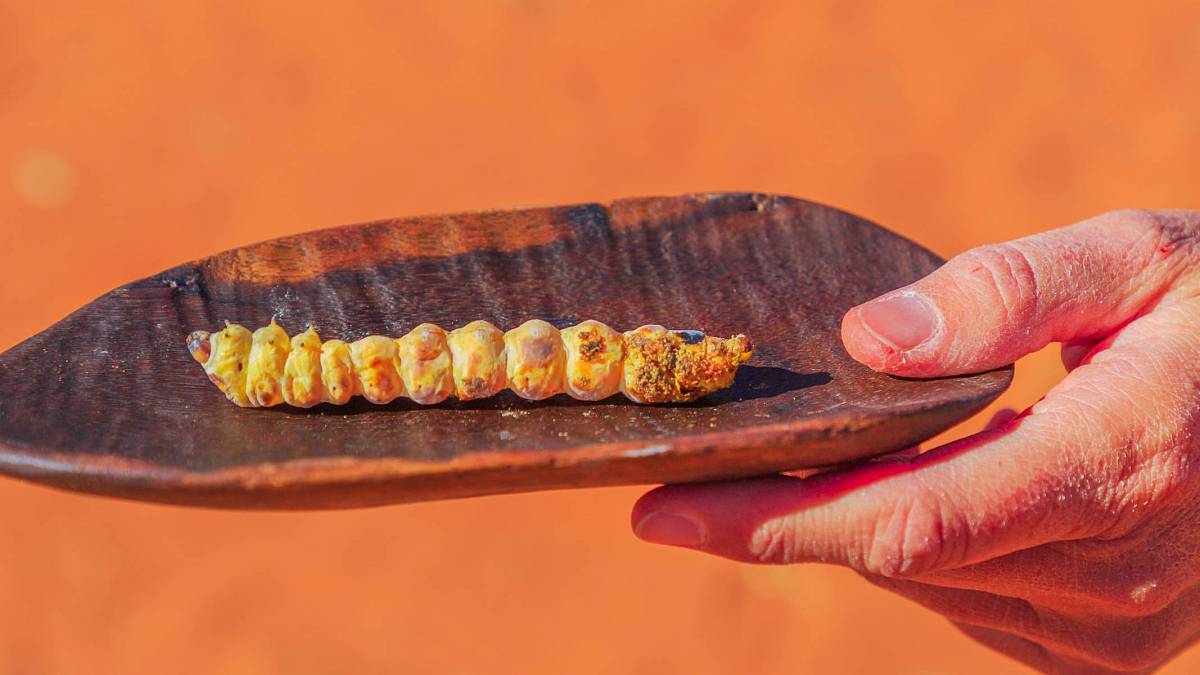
(588, 361)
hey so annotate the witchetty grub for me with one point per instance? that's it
(588, 361)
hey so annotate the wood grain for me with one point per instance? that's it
(109, 401)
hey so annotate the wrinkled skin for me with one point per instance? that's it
(1067, 536)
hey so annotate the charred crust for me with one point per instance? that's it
(474, 387)
(654, 374)
(591, 345)
(740, 347)
(672, 367)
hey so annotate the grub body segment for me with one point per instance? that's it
(425, 365)
(535, 360)
(268, 354)
(226, 366)
(337, 372)
(478, 361)
(301, 382)
(376, 369)
(594, 353)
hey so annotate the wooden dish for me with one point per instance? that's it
(108, 400)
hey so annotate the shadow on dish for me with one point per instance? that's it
(751, 383)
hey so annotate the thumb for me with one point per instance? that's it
(992, 305)
(1064, 469)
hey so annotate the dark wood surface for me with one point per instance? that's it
(109, 400)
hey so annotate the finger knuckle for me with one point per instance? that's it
(1143, 220)
(774, 542)
(1139, 601)
(1139, 575)
(1144, 488)
(1129, 586)
(1128, 648)
(913, 539)
(1008, 276)
(1158, 235)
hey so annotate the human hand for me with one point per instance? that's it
(1067, 536)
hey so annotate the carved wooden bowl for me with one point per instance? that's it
(109, 401)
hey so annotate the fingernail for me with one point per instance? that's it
(901, 321)
(671, 529)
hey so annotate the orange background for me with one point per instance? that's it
(133, 138)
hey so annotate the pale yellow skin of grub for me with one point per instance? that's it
(425, 364)
(264, 368)
(377, 368)
(337, 372)
(536, 360)
(597, 374)
(301, 381)
(478, 358)
(225, 366)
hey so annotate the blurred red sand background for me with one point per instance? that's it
(135, 137)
